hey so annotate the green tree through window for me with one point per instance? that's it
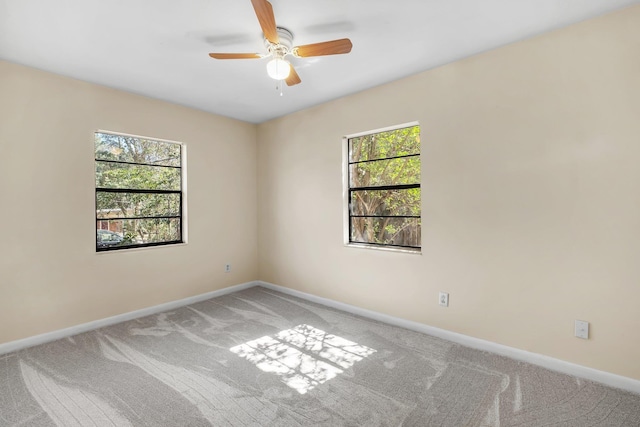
(384, 188)
(138, 192)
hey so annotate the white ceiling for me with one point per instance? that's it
(159, 48)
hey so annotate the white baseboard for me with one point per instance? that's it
(78, 329)
(551, 363)
(547, 362)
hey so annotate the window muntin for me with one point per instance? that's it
(384, 188)
(138, 192)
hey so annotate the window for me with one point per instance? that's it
(138, 192)
(384, 188)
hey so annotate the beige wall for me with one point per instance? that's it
(531, 208)
(50, 274)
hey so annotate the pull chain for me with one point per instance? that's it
(279, 86)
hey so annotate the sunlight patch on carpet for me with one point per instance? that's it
(304, 357)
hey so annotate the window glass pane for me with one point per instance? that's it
(127, 205)
(393, 143)
(388, 216)
(387, 231)
(138, 232)
(136, 150)
(122, 175)
(386, 202)
(141, 213)
(405, 170)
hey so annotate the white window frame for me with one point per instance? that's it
(346, 189)
(184, 193)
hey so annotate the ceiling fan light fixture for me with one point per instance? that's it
(278, 69)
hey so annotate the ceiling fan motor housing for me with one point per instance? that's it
(284, 45)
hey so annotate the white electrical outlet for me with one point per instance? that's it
(582, 329)
(443, 299)
(227, 268)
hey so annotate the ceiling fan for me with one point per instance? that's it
(278, 42)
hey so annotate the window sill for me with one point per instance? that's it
(384, 248)
(141, 248)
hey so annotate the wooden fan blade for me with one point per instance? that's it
(235, 55)
(293, 78)
(267, 20)
(333, 47)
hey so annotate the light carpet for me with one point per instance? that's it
(258, 357)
